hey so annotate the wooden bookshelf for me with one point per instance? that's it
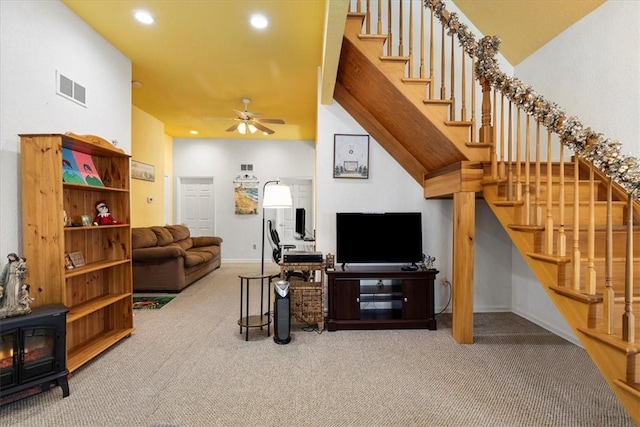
(99, 293)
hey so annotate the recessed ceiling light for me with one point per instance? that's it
(136, 84)
(143, 16)
(259, 21)
(193, 132)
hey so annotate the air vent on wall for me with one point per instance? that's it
(247, 167)
(71, 90)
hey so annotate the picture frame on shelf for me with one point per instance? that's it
(351, 156)
(85, 220)
(143, 171)
(68, 263)
(76, 259)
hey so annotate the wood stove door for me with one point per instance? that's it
(9, 357)
(38, 358)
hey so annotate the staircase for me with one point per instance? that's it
(572, 224)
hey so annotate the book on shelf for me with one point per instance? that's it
(70, 171)
(87, 168)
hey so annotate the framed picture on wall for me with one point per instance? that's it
(143, 171)
(351, 156)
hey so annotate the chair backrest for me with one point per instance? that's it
(274, 240)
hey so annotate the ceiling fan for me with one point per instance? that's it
(249, 122)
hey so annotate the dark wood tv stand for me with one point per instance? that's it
(380, 297)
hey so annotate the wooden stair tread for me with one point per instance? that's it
(554, 259)
(611, 340)
(394, 58)
(375, 37)
(576, 294)
(527, 228)
(438, 101)
(479, 144)
(458, 123)
(416, 80)
(508, 203)
(633, 388)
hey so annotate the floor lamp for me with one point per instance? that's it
(273, 197)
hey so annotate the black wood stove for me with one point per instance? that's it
(32, 353)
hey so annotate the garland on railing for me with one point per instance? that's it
(604, 153)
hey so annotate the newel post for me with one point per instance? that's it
(486, 130)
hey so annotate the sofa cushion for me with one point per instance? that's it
(185, 244)
(179, 232)
(196, 258)
(143, 238)
(164, 237)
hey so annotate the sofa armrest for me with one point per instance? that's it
(157, 253)
(206, 241)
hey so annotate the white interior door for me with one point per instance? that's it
(196, 207)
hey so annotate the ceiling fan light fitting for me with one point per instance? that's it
(242, 128)
(252, 128)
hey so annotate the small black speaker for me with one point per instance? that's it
(282, 313)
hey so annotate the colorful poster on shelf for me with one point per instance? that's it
(87, 169)
(70, 171)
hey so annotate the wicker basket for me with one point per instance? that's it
(306, 302)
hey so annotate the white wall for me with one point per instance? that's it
(37, 38)
(592, 71)
(221, 159)
(390, 188)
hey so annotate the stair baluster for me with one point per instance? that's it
(628, 318)
(591, 238)
(562, 238)
(548, 227)
(609, 295)
(576, 225)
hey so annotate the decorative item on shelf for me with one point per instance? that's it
(77, 260)
(427, 262)
(88, 169)
(103, 217)
(14, 292)
(68, 263)
(70, 171)
(85, 220)
(246, 194)
(65, 218)
(351, 156)
(330, 262)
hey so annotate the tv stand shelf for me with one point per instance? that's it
(381, 297)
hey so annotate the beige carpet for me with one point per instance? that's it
(188, 365)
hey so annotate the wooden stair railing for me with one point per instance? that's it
(544, 199)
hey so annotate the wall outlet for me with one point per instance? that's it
(255, 246)
(445, 281)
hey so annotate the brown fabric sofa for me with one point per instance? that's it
(168, 259)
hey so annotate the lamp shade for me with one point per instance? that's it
(276, 196)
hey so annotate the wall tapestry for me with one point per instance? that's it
(246, 195)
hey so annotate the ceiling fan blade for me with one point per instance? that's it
(262, 128)
(244, 115)
(276, 121)
(234, 127)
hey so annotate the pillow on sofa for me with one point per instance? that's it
(143, 238)
(164, 237)
(179, 232)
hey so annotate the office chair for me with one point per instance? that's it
(278, 248)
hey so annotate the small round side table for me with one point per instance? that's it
(257, 320)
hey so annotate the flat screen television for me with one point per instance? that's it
(382, 238)
(300, 222)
